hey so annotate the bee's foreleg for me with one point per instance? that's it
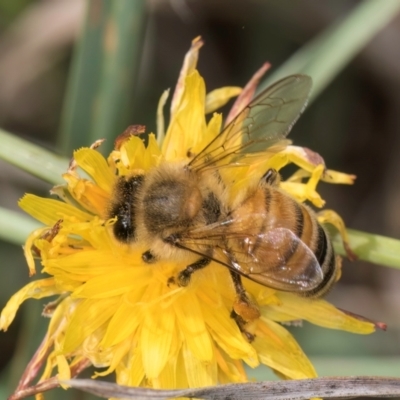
(185, 275)
(148, 257)
(244, 310)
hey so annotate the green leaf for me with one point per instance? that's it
(15, 226)
(103, 74)
(328, 53)
(376, 249)
(32, 158)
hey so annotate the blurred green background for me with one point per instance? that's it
(52, 77)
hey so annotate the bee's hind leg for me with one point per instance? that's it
(244, 310)
(185, 275)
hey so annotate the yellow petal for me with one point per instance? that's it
(226, 333)
(49, 211)
(64, 373)
(199, 373)
(119, 352)
(191, 321)
(132, 373)
(88, 316)
(59, 318)
(189, 65)
(333, 218)
(84, 265)
(302, 192)
(319, 312)
(229, 370)
(34, 290)
(95, 165)
(331, 176)
(132, 153)
(28, 249)
(87, 194)
(152, 154)
(51, 363)
(303, 157)
(219, 97)
(136, 373)
(212, 130)
(123, 323)
(157, 334)
(277, 348)
(167, 377)
(160, 117)
(188, 124)
(114, 283)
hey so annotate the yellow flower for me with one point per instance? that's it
(118, 312)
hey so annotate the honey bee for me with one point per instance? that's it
(182, 210)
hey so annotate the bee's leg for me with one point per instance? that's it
(244, 310)
(184, 275)
(271, 177)
(148, 257)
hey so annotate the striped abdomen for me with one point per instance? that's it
(284, 211)
(284, 246)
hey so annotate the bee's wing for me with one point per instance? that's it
(276, 258)
(265, 121)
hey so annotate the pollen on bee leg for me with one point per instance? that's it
(246, 314)
(246, 309)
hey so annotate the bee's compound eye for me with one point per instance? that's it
(148, 257)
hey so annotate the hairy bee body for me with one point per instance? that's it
(172, 205)
(169, 201)
(183, 210)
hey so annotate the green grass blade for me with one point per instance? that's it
(103, 74)
(32, 158)
(15, 226)
(329, 52)
(376, 249)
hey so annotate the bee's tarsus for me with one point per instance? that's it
(148, 257)
(241, 323)
(171, 281)
(244, 310)
(185, 275)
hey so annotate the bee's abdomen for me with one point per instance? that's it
(124, 207)
(308, 229)
(327, 260)
(287, 213)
